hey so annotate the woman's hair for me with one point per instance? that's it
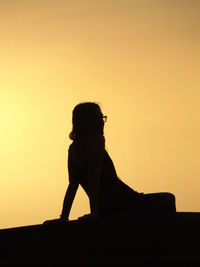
(87, 120)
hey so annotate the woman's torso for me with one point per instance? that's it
(114, 195)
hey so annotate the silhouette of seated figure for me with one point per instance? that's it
(90, 165)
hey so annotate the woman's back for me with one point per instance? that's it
(114, 195)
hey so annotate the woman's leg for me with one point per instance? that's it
(163, 202)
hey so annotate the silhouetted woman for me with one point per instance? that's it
(90, 165)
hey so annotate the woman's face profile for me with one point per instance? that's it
(88, 120)
(97, 113)
(97, 119)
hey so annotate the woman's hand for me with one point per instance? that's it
(63, 218)
(89, 217)
(55, 221)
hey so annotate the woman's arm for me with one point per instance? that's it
(68, 200)
(72, 187)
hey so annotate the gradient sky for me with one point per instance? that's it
(139, 59)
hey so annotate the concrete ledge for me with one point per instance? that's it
(125, 239)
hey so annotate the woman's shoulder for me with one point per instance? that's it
(95, 144)
(96, 140)
(73, 156)
(71, 149)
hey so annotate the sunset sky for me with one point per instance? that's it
(139, 59)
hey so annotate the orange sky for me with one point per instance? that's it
(138, 59)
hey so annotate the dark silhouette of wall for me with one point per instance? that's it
(121, 240)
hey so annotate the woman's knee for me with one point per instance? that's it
(168, 200)
(172, 201)
(171, 196)
(168, 195)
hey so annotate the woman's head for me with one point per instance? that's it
(87, 119)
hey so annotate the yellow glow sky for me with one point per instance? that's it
(138, 58)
